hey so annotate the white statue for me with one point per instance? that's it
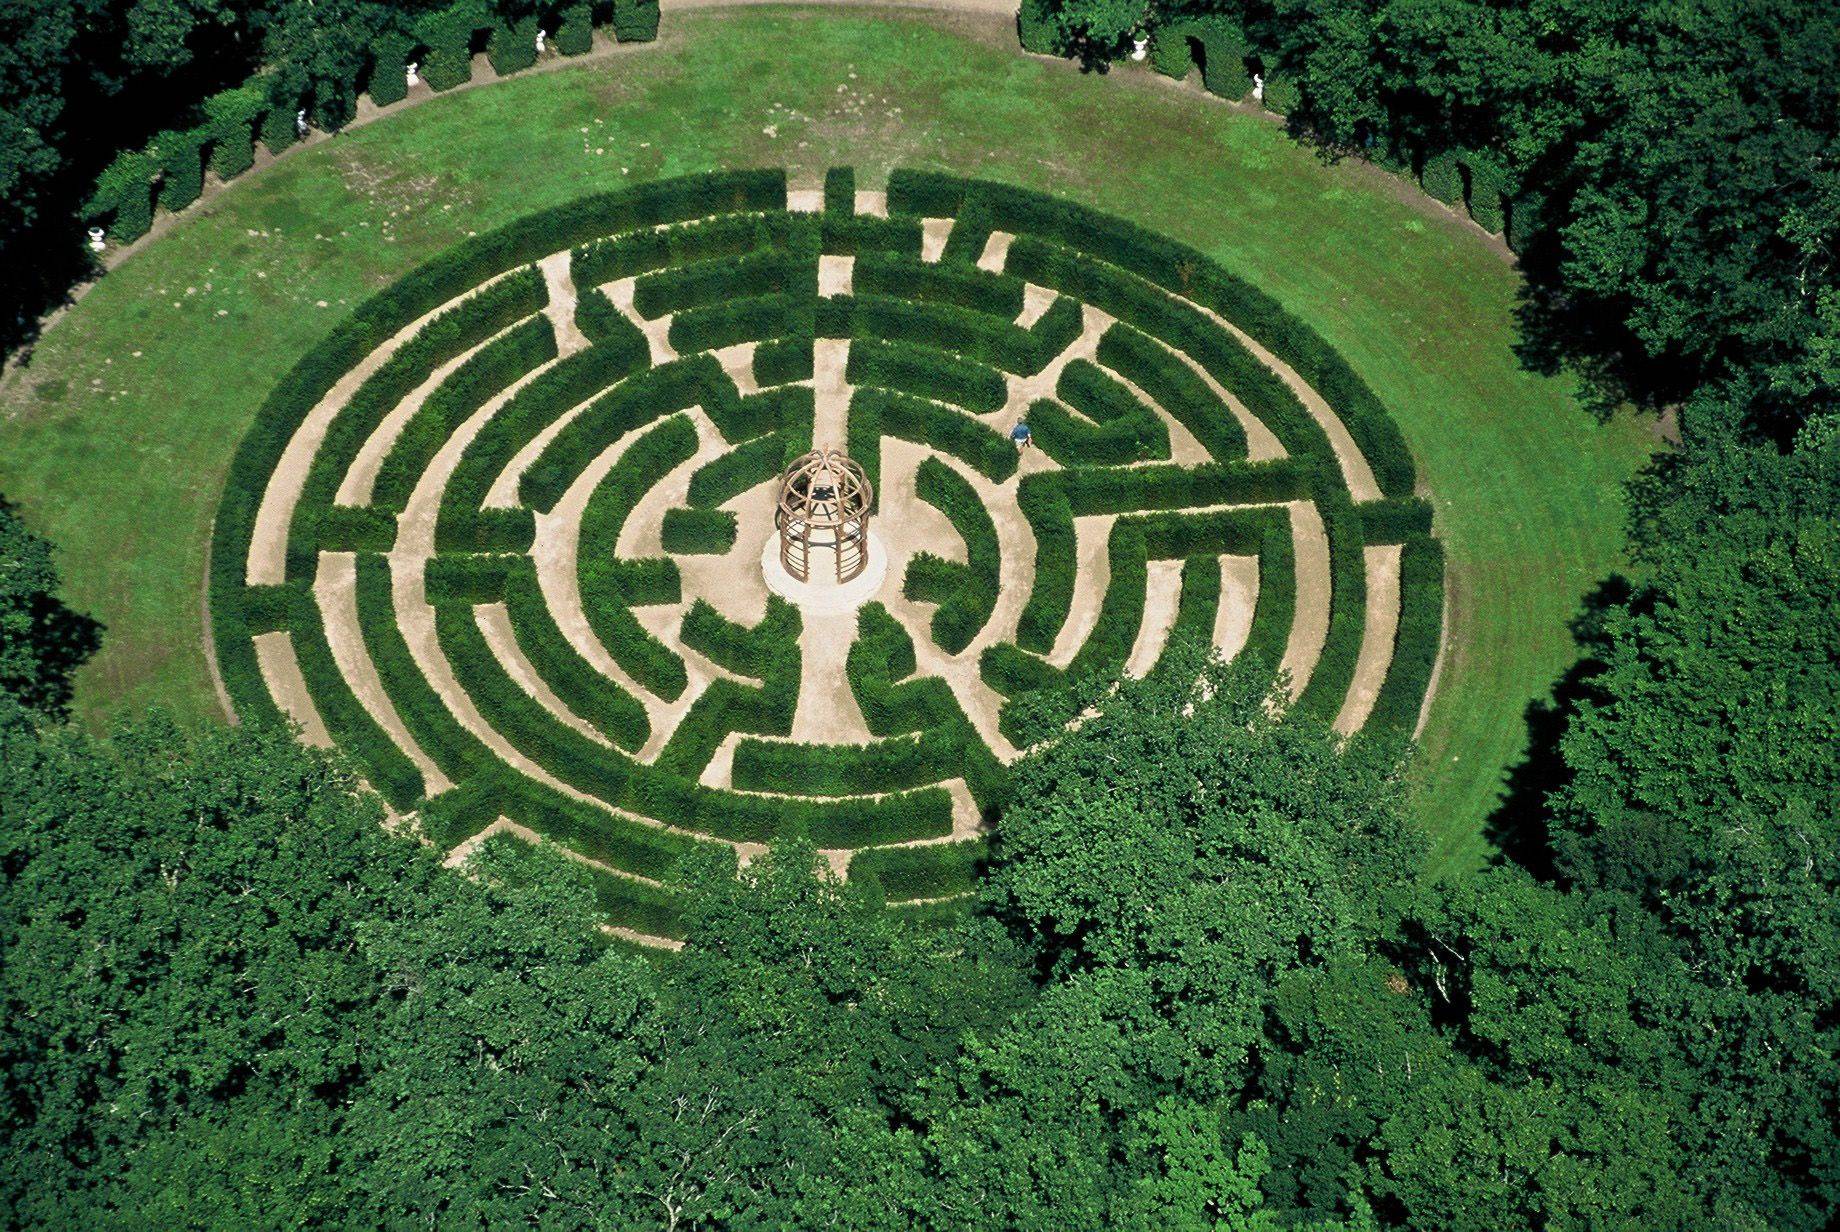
(1258, 87)
(541, 38)
(1140, 47)
(97, 239)
(300, 123)
(413, 76)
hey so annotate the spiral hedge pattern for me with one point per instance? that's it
(498, 537)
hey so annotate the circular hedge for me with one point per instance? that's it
(498, 536)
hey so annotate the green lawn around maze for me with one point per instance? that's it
(116, 437)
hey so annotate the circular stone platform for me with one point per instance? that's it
(822, 596)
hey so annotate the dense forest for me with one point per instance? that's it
(1206, 985)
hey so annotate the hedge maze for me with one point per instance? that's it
(498, 537)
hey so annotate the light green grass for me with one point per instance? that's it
(116, 438)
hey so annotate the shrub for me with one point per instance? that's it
(856, 234)
(520, 720)
(635, 21)
(1525, 219)
(933, 870)
(448, 35)
(840, 190)
(1176, 387)
(181, 156)
(998, 295)
(694, 532)
(385, 766)
(910, 418)
(598, 700)
(646, 396)
(1118, 429)
(610, 586)
(778, 361)
(896, 764)
(1394, 521)
(965, 593)
(232, 116)
(1224, 50)
(465, 578)
(1044, 503)
(278, 129)
(1169, 54)
(1415, 645)
(1282, 95)
(716, 282)
(1334, 672)
(753, 319)
(487, 373)
(575, 30)
(927, 374)
(512, 47)
(1272, 615)
(722, 479)
(124, 192)
(1489, 184)
(1038, 29)
(1442, 177)
(388, 82)
(456, 751)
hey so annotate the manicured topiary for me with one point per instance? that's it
(388, 80)
(1489, 184)
(512, 47)
(1223, 57)
(232, 118)
(575, 30)
(124, 196)
(1442, 177)
(1526, 220)
(278, 128)
(635, 21)
(448, 35)
(181, 158)
(1037, 28)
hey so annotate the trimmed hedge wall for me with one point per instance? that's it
(1334, 672)
(932, 870)
(883, 412)
(598, 700)
(611, 586)
(1117, 428)
(641, 399)
(966, 593)
(927, 374)
(698, 532)
(540, 403)
(494, 368)
(1176, 387)
(997, 295)
(1185, 271)
(1415, 646)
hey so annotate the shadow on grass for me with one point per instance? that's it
(1518, 828)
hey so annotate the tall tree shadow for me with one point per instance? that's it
(1518, 827)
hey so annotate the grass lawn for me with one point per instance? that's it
(116, 438)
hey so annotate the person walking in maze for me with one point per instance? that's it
(1020, 434)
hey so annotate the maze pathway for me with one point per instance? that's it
(500, 537)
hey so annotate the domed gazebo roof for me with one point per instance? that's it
(824, 501)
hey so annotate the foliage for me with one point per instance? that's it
(42, 642)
